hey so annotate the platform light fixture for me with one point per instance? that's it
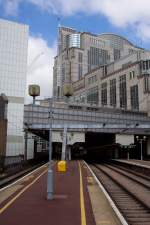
(34, 91)
(67, 91)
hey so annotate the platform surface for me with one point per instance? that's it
(25, 202)
(141, 163)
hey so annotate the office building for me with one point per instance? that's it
(13, 66)
(123, 84)
(81, 52)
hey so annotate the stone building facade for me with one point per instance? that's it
(123, 84)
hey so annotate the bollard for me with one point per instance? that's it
(61, 166)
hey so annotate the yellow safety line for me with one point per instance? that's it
(20, 193)
(82, 206)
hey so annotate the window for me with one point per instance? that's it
(92, 96)
(146, 83)
(63, 72)
(104, 93)
(123, 91)
(145, 65)
(132, 74)
(113, 92)
(80, 57)
(104, 70)
(134, 97)
(74, 40)
(92, 79)
(80, 70)
(97, 57)
(117, 54)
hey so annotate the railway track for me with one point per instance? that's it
(129, 191)
(13, 177)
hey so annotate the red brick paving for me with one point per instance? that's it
(32, 208)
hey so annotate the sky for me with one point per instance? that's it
(129, 18)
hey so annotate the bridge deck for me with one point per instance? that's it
(102, 120)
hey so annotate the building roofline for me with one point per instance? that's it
(117, 35)
(14, 22)
(70, 28)
(100, 35)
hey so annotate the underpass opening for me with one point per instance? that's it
(100, 146)
(97, 146)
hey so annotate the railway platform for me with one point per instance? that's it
(134, 162)
(77, 199)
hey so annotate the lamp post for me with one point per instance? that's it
(26, 144)
(141, 143)
(50, 172)
(67, 92)
(33, 91)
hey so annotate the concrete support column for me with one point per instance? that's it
(26, 145)
(64, 144)
(116, 153)
(69, 152)
(148, 146)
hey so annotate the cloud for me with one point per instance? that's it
(11, 7)
(121, 13)
(143, 31)
(40, 64)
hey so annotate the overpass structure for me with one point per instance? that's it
(71, 123)
(84, 118)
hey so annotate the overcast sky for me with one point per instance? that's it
(129, 18)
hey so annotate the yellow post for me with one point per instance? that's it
(61, 166)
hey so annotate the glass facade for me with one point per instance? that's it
(74, 40)
(13, 66)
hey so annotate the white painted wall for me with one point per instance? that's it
(30, 147)
(72, 137)
(124, 139)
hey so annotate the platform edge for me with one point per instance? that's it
(114, 207)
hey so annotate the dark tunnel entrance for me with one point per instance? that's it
(99, 146)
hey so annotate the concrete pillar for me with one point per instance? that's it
(69, 152)
(64, 144)
(26, 145)
(148, 146)
(116, 153)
